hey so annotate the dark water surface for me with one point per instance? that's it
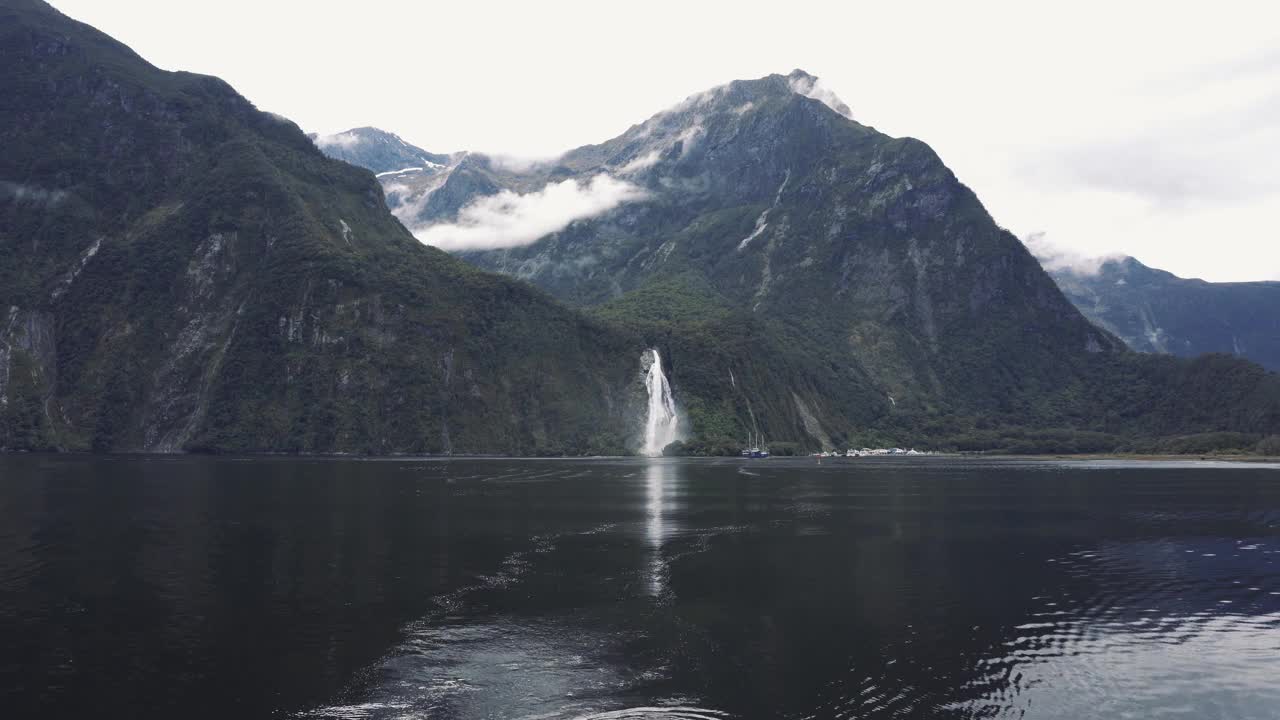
(223, 588)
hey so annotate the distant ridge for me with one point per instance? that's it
(376, 150)
(1158, 312)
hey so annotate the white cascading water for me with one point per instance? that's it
(660, 425)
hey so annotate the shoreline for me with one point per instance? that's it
(1143, 457)
(1057, 457)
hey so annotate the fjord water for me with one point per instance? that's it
(200, 587)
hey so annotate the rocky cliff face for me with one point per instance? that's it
(181, 271)
(1157, 312)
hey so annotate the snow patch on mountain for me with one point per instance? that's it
(401, 171)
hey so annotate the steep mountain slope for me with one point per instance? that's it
(179, 270)
(1157, 312)
(810, 277)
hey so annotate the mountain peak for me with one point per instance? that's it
(810, 86)
(742, 94)
(377, 150)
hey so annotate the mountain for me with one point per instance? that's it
(816, 280)
(179, 270)
(1157, 312)
(378, 150)
(410, 176)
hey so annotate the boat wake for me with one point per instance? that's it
(674, 712)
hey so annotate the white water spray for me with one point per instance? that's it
(660, 425)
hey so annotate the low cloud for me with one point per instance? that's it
(812, 87)
(342, 140)
(641, 162)
(509, 219)
(695, 100)
(1054, 257)
(519, 164)
(408, 201)
(397, 189)
(691, 135)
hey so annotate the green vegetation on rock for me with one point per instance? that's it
(181, 271)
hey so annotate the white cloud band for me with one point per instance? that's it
(509, 219)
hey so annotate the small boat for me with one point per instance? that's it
(754, 450)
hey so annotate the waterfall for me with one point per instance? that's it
(660, 425)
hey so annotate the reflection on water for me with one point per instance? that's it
(659, 484)
(612, 590)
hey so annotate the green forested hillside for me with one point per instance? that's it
(181, 271)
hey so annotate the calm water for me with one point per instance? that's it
(222, 588)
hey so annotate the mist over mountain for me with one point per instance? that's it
(1157, 312)
(809, 277)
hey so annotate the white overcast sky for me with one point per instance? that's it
(1146, 128)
